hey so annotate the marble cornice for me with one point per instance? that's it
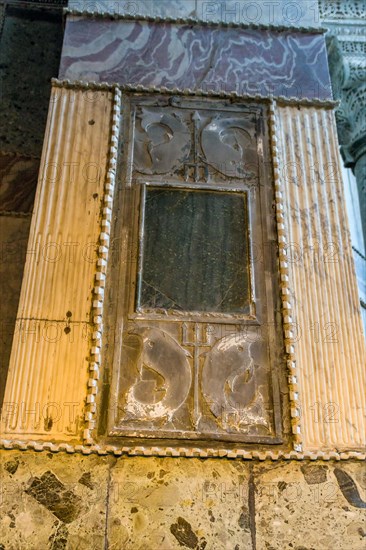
(282, 100)
(193, 21)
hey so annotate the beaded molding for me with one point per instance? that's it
(193, 21)
(100, 276)
(285, 285)
(176, 452)
(139, 88)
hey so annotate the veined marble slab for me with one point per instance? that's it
(245, 61)
(266, 12)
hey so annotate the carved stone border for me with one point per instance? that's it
(283, 100)
(176, 452)
(101, 271)
(193, 21)
(285, 285)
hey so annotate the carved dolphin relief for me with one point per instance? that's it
(229, 384)
(164, 377)
(224, 142)
(164, 143)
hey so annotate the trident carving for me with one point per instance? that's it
(200, 341)
(196, 164)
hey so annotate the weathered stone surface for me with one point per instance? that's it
(44, 505)
(316, 506)
(178, 503)
(49, 491)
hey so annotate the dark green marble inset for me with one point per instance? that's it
(195, 251)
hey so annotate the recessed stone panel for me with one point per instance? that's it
(26, 68)
(14, 233)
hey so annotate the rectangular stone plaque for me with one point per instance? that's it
(194, 251)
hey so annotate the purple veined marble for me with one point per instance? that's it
(197, 57)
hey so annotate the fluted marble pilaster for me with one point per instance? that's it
(48, 374)
(330, 347)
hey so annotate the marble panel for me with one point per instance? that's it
(58, 501)
(209, 58)
(53, 502)
(26, 68)
(167, 504)
(308, 506)
(272, 12)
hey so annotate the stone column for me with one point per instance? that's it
(346, 42)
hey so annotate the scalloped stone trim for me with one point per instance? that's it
(192, 452)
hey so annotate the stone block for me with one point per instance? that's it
(166, 504)
(53, 501)
(310, 505)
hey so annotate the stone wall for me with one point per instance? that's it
(75, 502)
